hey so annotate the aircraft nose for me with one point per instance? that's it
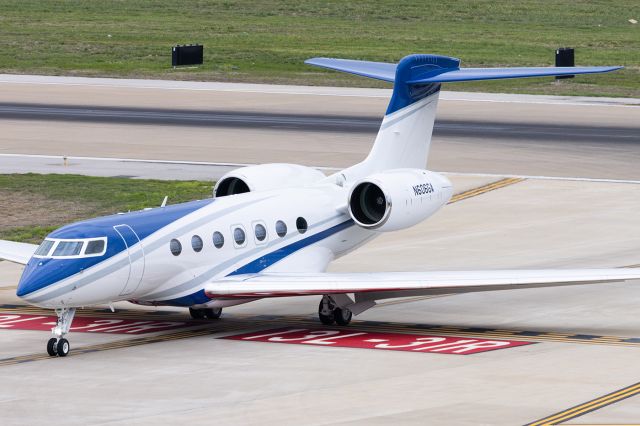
(36, 275)
(25, 285)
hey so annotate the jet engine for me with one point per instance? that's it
(265, 177)
(397, 199)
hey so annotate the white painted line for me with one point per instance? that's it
(325, 168)
(579, 179)
(137, 160)
(309, 90)
(196, 86)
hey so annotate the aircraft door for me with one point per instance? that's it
(136, 258)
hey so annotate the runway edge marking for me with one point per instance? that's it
(589, 406)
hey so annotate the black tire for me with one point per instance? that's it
(196, 313)
(213, 313)
(342, 316)
(325, 319)
(51, 346)
(63, 347)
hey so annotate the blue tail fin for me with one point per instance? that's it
(414, 71)
(404, 136)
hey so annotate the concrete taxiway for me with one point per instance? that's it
(586, 338)
(333, 127)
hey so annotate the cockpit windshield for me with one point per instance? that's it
(65, 249)
(68, 248)
(44, 248)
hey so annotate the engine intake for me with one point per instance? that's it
(231, 186)
(397, 199)
(369, 205)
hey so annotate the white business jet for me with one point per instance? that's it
(271, 230)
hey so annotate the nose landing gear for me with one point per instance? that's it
(59, 346)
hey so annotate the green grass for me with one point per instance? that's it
(267, 41)
(61, 199)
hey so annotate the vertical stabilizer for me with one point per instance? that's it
(404, 138)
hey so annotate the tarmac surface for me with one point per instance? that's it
(332, 127)
(581, 367)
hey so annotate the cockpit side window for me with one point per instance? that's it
(44, 248)
(94, 247)
(68, 248)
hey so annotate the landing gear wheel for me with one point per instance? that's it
(196, 313)
(63, 347)
(324, 318)
(58, 345)
(51, 346)
(342, 316)
(213, 313)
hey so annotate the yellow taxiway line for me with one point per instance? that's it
(484, 189)
(587, 407)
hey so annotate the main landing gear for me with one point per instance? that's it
(59, 346)
(329, 313)
(208, 313)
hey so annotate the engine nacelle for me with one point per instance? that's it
(397, 199)
(264, 177)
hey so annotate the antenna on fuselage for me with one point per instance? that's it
(164, 202)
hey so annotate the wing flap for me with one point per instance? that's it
(16, 252)
(399, 284)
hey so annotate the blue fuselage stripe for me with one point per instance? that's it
(269, 259)
(263, 262)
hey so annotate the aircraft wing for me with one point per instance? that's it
(399, 284)
(16, 252)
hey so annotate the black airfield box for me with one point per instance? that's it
(188, 54)
(565, 58)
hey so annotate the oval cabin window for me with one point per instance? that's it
(239, 236)
(218, 240)
(196, 243)
(301, 224)
(281, 228)
(175, 247)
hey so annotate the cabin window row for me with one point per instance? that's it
(239, 236)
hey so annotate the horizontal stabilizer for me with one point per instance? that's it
(471, 74)
(378, 70)
(424, 69)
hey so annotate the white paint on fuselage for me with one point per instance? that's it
(168, 277)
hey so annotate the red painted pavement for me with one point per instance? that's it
(88, 324)
(350, 338)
